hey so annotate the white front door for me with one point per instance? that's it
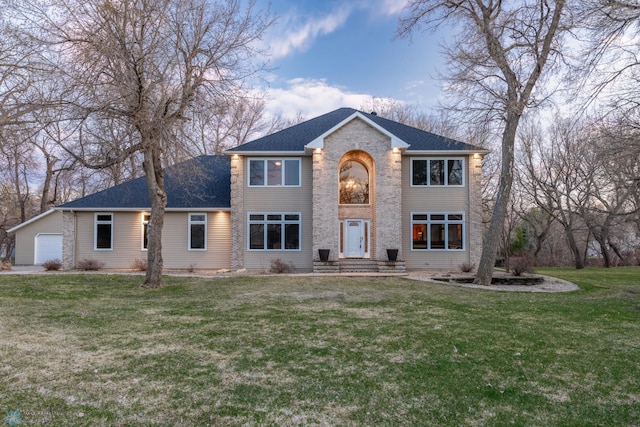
(354, 241)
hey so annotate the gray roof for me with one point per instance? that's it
(202, 182)
(205, 181)
(295, 138)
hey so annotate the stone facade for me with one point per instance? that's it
(237, 212)
(359, 141)
(475, 208)
(68, 240)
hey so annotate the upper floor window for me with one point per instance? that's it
(274, 172)
(103, 232)
(354, 183)
(437, 172)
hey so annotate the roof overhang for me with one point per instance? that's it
(395, 141)
(266, 153)
(140, 209)
(482, 152)
(34, 219)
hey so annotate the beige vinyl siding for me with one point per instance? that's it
(433, 199)
(127, 241)
(281, 199)
(26, 236)
(175, 242)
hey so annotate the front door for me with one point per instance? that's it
(354, 241)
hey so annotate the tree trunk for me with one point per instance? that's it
(573, 245)
(492, 238)
(155, 181)
(618, 253)
(44, 200)
(22, 200)
(540, 239)
(606, 257)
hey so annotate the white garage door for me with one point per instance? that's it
(48, 247)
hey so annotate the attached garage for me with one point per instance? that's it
(39, 239)
(47, 247)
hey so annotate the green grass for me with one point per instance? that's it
(99, 350)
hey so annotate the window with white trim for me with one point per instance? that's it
(145, 230)
(437, 231)
(274, 172)
(437, 172)
(274, 231)
(103, 232)
(197, 231)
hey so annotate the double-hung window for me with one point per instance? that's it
(434, 172)
(274, 231)
(197, 231)
(437, 231)
(274, 172)
(103, 232)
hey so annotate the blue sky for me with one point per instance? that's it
(327, 54)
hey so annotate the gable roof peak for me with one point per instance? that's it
(299, 138)
(356, 114)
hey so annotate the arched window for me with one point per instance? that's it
(354, 183)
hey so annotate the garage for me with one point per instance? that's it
(48, 247)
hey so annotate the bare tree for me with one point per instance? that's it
(145, 63)
(615, 159)
(610, 61)
(557, 174)
(225, 123)
(411, 115)
(496, 62)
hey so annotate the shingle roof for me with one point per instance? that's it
(297, 137)
(205, 181)
(202, 182)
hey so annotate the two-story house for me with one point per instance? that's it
(348, 183)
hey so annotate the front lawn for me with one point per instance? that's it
(98, 350)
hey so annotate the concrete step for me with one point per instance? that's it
(356, 265)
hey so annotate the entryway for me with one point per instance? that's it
(355, 238)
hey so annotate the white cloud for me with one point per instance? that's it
(311, 98)
(295, 32)
(382, 7)
(393, 7)
(296, 36)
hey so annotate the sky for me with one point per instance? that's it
(328, 54)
